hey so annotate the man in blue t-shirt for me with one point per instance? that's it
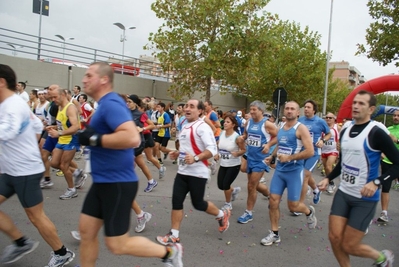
(111, 136)
(319, 132)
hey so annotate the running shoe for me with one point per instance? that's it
(227, 206)
(59, 173)
(330, 188)
(389, 258)
(296, 213)
(142, 221)
(75, 235)
(81, 181)
(165, 156)
(77, 174)
(12, 253)
(69, 194)
(316, 197)
(150, 186)
(46, 184)
(175, 161)
(235, 193)
(262, 180)
(175, 259)
(59, 261)
(224, 221)
(213, 167)
(383, 217)
(396, 186)
(270, 239)
(168, 239)
(162, 171)
(245, 218)
(311, 219)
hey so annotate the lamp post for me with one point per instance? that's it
(63, 45)
(123, 39)
(328, 59)
(14, 52)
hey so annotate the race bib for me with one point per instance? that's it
(254, 140)
(182, 160)
(224, 154)
(284, 150)
(59, 126)
(350, 175)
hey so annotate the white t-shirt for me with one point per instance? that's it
(204, 139)
(19, 150)
(24, 95)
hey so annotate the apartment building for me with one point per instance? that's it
(346, 72)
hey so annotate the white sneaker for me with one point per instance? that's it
(331, 188)
(69, 194)
(270, 239)
(142, 221)
(81, 181)
(162, 171)
(311, 219)
(235, 193)
(46, 184)
(262, 180)
(227, 206)
(76, 235)
(383, 217)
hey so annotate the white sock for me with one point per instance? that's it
(385, 212)
(72, 189)
(220, 215)
(249, 212)
(175, 233)
(141, 214)
(151, 181)
(316, 191)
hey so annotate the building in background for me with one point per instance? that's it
(347, 73)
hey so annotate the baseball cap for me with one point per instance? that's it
(239, 113)
(135, 99)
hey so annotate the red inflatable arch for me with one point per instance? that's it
(377, 86)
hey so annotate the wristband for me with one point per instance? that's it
(95, 140)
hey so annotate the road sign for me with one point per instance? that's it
(279, 96)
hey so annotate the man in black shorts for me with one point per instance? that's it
(21, 169)
(355, 202)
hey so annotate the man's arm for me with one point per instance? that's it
(272, 130)
(77, 105)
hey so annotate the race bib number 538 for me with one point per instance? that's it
(350, 175)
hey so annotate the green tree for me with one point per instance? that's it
(196, 36)
(280, 54)
(382, 35)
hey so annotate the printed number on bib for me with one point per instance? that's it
(224, 154)
(284, 150)
(254, 140)
(350, 175)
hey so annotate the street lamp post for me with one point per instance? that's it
(14, 52)
(123, 39)
(328, 59)
(63, 45)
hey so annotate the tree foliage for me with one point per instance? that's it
(383, 33)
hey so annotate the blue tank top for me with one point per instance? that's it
(289, 144)
(256, 138)
(316, 127)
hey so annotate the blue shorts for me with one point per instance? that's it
(67, 147)
(291, 180)
(257, 166)
(50, 143)
(311, 163)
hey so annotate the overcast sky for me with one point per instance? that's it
(90, 22)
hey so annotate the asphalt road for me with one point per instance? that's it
(203, 245)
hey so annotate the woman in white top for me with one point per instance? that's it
(231, 148)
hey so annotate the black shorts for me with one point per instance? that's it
(359, 212)
(140, 149)
(386, 185)
(154, 135)
(149, 141)
(162, 140)
(26, 187)
(112, 203)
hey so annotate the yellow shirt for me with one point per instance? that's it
(63, 124)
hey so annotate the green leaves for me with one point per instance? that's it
(383, 34)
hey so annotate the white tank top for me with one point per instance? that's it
(39, 110)
(330, 146)
(227, 144)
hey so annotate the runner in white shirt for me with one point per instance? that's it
(20, 161)
(192, 174)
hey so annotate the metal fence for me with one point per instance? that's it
(61, 52)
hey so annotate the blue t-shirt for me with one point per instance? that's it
(316, 127)
(111, 165)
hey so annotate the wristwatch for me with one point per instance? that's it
(196, 158)
(377, 182)
(93, 140)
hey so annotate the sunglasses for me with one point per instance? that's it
(330, 118)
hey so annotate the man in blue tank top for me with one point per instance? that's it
(260, 136)
(317, 128)
(294, 144)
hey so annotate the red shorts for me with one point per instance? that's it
(331, 154)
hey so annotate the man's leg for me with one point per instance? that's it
(7, 226)
(89, 227)
(336, 228)
(66, 159)
(253, 181)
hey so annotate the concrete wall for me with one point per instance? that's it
(41, 74)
